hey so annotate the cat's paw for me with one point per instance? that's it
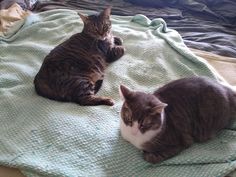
(93, 100)
(152, 158)
(118, 41)
(119, 51)
(110, 102)
(115, 53)
(107, 101)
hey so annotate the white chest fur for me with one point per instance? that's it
(134, 136)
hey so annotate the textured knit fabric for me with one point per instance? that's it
(43, 137)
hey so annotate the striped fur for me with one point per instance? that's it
(74, 70)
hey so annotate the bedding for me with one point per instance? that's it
(42, 137)
(25, 4)
(11, 19)
(225, 66)
(203, 24)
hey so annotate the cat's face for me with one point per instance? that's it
(143, 108)
(97, 26)
(142, 116)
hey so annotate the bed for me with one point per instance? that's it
(41, 137)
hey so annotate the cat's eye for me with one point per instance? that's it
(143, 127)
(94, 25)
(96, 29)
(146, 125)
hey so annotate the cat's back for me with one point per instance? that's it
(196, 92)
(75, 46)
(197, 105)
(192, 86)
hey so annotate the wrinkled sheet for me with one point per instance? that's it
(203, 24)
(225, 66)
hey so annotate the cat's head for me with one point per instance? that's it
(98, 25)
(143, 110)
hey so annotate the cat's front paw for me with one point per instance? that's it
(110, 102)
(106, 101)
(115, 53)
(120, 51)
(152, 158)
(118, 41)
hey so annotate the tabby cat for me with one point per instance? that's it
(181, 112)
(74, 70)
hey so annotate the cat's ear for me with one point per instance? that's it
(125, 92)
(106, 12)
(83, 18)
(158, 108)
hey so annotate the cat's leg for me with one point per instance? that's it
(98, 85)
(115, 53)
(157, 157)
(118, 41)
(93, 100)
(84, 94)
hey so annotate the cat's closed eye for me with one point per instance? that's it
(145, 125)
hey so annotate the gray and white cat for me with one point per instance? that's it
(175, 116)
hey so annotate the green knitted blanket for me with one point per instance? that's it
(43, 138)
